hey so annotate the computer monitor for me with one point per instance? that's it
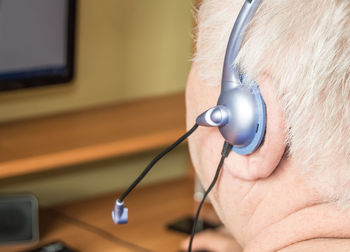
(36, 42)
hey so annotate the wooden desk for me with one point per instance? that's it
(54, 229)
(150, 209)
(54, 141)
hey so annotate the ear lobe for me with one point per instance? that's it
(266, 159)
(262, 162)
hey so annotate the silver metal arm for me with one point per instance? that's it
(230, 74)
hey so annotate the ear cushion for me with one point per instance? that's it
(261, 120)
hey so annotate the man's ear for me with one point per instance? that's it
(262, 162)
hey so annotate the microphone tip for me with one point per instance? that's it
(120, 213)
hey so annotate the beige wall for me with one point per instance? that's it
(126, 49)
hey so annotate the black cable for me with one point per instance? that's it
(226, 149)
(155, 160)
(104, 234)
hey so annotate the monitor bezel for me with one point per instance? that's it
(43, 78)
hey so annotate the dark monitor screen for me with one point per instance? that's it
(36, 42)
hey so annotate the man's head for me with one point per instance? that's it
(299, 54)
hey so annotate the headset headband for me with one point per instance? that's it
(230, 74)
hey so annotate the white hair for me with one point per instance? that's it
(305, 47)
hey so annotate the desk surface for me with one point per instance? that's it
(150, 209)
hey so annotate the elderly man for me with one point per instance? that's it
(292, 193)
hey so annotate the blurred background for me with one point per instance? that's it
(90, 92)
(125, 51)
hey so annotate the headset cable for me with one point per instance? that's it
(224, 153)
(120, 213)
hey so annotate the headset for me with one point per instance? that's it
(240, 114)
